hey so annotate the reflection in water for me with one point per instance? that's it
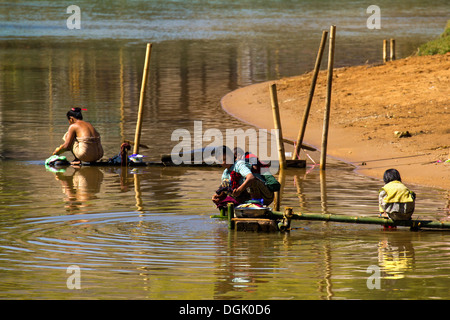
(395, 257)
(147, 231)
(80, 187)
(300, 194)
(125, 221)
(326, 284)
(323, 191)
(137, 191)
(279, 194)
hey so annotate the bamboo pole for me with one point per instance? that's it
(412, 224)
(137, 137)
(292, 143)
(301, 132)
(326, 119)
(277, 123)
(385, 51)
(278, 195)
(365, 220)
(392, 49)
(285, 224)
(230, 215)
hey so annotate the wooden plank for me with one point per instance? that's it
(256, 225)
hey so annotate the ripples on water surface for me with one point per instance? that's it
(146, 233)
(149, 235)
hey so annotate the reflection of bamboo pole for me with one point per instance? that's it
(50, 96)
(278, 194)
(137, 137)
(123, 179)
(300, 195)
(301, 133)
(323, 192)
(122, 94)
(277, 123)
(76, 66)
(137, 191)
(326, 119)
(328, 273)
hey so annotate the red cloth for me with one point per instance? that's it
(227, 200)
(234, 180)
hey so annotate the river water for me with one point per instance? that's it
(146, 233)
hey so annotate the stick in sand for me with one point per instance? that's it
(137, 136)
(301, 133)
(326, 119)
(392, 48)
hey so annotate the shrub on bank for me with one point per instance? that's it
(437, 46)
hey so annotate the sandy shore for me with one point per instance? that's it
(368, 105)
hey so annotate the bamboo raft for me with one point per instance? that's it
(281, 221)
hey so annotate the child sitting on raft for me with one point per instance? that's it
(81, 139)
(396, 201)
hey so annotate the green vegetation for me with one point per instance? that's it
(438, 46)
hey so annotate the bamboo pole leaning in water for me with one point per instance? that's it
(326, 119)
(301, 132)
(277, 123)
(137, 137)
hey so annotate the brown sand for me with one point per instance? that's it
(368, 104)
